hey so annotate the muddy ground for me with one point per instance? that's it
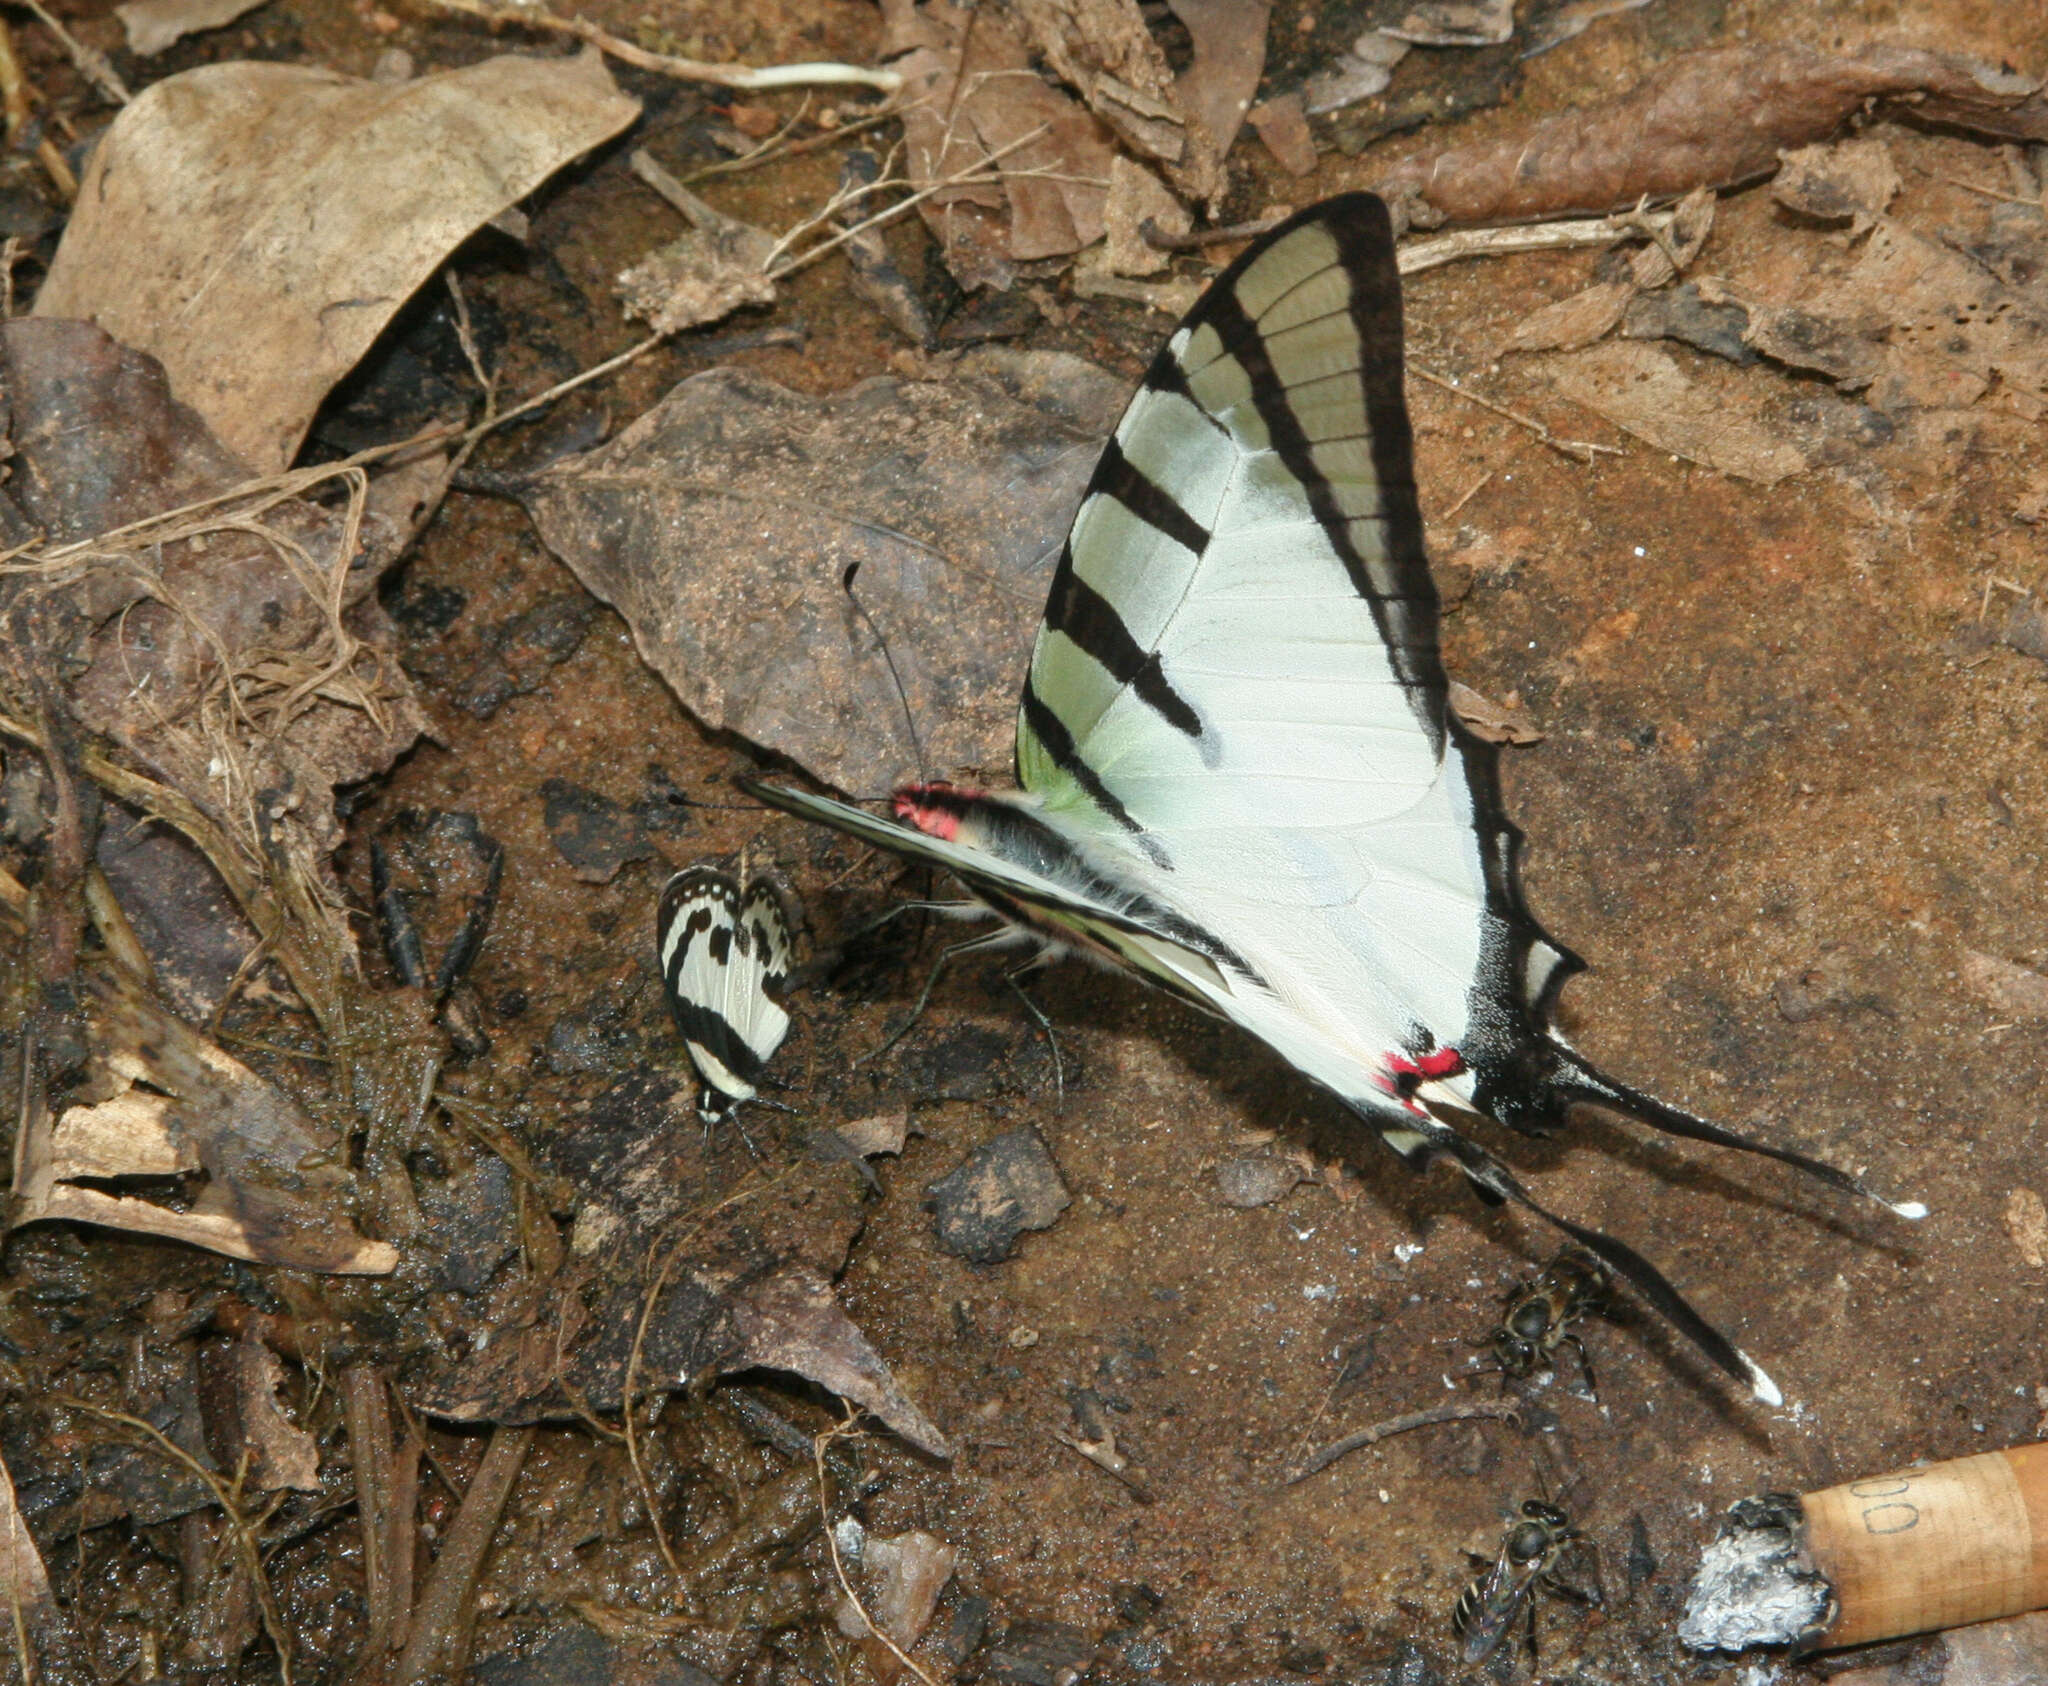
(1781, 792)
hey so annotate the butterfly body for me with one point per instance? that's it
(1238, 771)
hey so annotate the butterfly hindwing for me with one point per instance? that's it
(725, 955)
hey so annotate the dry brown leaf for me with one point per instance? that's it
(1103, 49)
(968, 93)
(1571, 323)
(700, 276)
(1453, 23)
(1709, 119)
(1801, 340)
(1137, 196)
(1850, 181)
(276, 1185)
(281, 1454)
(2026, 1221)
(247, 661)
(722, 523)
(1283, 126)
(1951, 326)
(153, 25)
(885, 1132)
(1639, 388)
(1217, 89)
(24, 1582)
(254, 226)
(1492, 722)
(1660, 262)
(2013, 991)
(1358, 74)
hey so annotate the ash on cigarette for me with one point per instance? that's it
(1756, 1584)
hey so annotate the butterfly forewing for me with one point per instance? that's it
(1242, 627)
(723, 955)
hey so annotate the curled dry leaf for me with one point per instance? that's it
(726, 523)
(1568, 324)
(1641, 389)
(1850, 181)
(1493, 722)
(1137, 196)
(1710, 119)
(702, 275)
(153, 25)
(1364, 70)
(1103, 49)
(281, 1454)
(1453, 23)
(163, 1101)
(969, 92)
(254, 226)
(2016, 992)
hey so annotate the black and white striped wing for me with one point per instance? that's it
(725, 957)
(1244, 607)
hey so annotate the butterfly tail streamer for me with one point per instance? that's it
(1419, 1141)
(1582, 1081)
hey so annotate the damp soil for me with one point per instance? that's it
(1778, 797)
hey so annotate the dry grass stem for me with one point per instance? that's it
(228, 1496)
(1499, 1410)
(523, 16)
(818, 1445)
(1579, 450)
(91, 63)
(975, 174)
(1565, 235)
(440, 1625)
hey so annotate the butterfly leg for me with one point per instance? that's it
(1015, 980)
(994, 939)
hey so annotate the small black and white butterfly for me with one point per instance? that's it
(725, 957)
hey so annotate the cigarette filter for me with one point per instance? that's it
(1937, 1547)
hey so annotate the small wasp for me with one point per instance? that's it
(1487, 1608)
(1540, 1314)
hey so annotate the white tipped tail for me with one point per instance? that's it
(1914, 1210)
(1761, 1387)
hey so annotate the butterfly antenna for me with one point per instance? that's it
(1420, 1140)
(902, 695)
(1582, 1081)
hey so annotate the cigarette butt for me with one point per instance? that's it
(1930, 1548)
(1889, 1555)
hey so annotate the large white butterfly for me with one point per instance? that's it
(1240, 774)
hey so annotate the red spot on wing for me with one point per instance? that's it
(1406, 1073)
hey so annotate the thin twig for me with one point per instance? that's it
(632, 1382)
(1579, 450)
(818, 1445)
(229, 1499)
(666, 64)
(1497, 1409)
(1562, 236)
(966, 176)
(451, 1588)
(92, 64)
(769, 153)
(1161, 241)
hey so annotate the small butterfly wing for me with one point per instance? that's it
(719, 953)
